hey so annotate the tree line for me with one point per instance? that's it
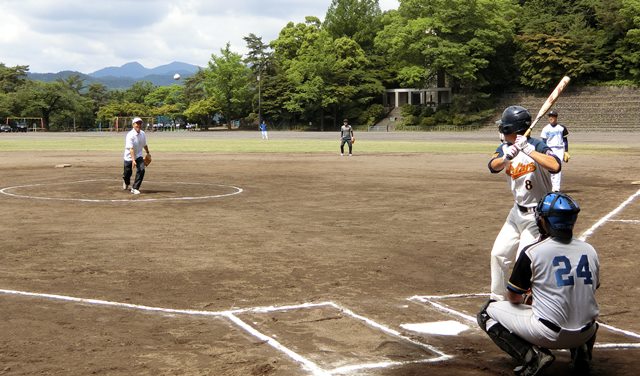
(315, 73)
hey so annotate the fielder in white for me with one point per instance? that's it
(562, 273)
(555, 136)
(528, 164)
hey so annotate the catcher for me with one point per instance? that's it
(135, 142)
(563, 274)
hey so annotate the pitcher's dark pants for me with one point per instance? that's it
(128, 171)
(348, 142)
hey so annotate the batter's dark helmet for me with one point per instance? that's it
(559, 212)
(515, 119)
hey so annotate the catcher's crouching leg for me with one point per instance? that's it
(510, 343)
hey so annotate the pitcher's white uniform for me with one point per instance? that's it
(555, 136)
(563, 278)
(529, 182)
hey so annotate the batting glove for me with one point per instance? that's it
(510, 152)
(522, 143)
(566, 157)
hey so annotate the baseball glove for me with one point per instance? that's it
(147, 160)
(566, 157)
(353, 140)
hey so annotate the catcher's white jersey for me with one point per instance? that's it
(563, 278)
(528, 181)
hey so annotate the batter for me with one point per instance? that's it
(528, 164)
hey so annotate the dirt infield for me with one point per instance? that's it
(190, 277)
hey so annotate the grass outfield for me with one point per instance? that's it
(195, 144)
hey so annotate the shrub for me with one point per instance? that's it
(427, 122)
(371, 115)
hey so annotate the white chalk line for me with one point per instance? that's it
(634, 221)
(231, 316)
(446, 309)
(607, 217)
(306, 363)
(5, 191)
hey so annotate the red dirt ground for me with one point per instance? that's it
(365, 232)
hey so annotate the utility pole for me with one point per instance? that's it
(259, 101)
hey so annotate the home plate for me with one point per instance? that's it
(445, 328)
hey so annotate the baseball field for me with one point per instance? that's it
(280, 257)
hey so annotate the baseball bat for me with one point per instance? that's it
(549, 102)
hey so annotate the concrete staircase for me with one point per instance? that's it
(603, 109)
(388, 123)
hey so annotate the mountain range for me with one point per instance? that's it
(126, 75)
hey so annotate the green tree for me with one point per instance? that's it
(260, 61)
(627, 53)
(74, 82)
(113, 109)
(227, 82)
(566, 38)
(355, 19)
(12, 77)
(48, 100)
(309, 69)
(201, 111)
(456, 37)
(138, 91)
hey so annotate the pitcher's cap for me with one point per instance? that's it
(136, 120)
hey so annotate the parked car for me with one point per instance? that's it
(22, 127)
(5, 128)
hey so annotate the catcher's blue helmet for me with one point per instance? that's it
(560, 212)
(515, 119)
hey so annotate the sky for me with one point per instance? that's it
(87, 35)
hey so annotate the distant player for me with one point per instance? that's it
(555, 136)
(563, 274)
(263, 130)
(528, 164)
(346, 136)
(135, 142)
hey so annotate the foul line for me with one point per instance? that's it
(604, 219)
(231, 315)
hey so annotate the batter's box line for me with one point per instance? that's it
(433, 301)
(608, 217)
(231, 315)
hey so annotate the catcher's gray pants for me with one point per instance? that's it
(520, 319)
(128, 171)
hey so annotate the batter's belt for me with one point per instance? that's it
(525, 209)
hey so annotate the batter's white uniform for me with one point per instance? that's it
(529, 182)
(554, 136)
(563, 279)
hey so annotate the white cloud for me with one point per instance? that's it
(87, 35)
